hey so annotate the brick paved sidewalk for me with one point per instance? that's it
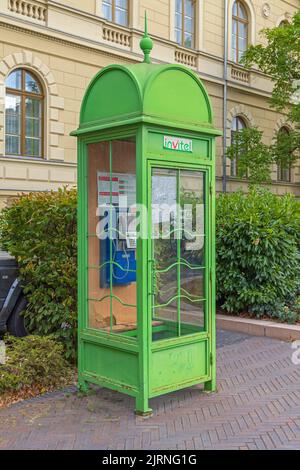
(257, 407)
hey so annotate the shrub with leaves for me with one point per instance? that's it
(33, 362)
(258, 241)
(39, 229)
(253, 157)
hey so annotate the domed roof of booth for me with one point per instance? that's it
(168, 94)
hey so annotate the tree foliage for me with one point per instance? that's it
(40, 230)
(252, 155)
(279, 58)
(258, 265)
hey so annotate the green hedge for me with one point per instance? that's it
(39, 229)
(33, 362)
(258, 240)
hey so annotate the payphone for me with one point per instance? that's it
(146, 309)
(116, 198)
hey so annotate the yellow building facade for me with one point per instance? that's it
(50, 50)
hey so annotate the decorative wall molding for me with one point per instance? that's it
(31, 9)
(53, 128)
(116, 34)
(182, 56)
(286, 17)
(266, 10)
(239, 74)
(66, 42)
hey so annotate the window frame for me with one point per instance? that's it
(280, 168)
(23, 94)
(239, 20)
(113, 14)
(234, 163)
(182, 44)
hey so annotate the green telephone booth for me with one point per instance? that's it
(146, 249)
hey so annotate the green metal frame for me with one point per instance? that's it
(141, 347)
(135, 101)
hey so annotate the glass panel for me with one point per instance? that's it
(242, 45)
(189, 8)
(178, 21)
(242, 11)
(192, 250)
(31, 85)
(235, 9)
(14, 80)
(112, 237)
(121, 17)
(284, 174)
(12, 145)
(178, 36)
(283, 23)
(234, 127)
(178, 252)
(243, 28)
(32, 147)
(240, 124)
(107, 9)
(122, 4)
(188, 40)
(234, 27)
(234, 54)
(237, 125)
(12, 124)
(33, 127)
(233, 168)
(33, 108)
(241, 52)
(188, 25)
(178, 6)
(165, 253)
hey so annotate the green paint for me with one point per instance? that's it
(146, 43)
(149, 102)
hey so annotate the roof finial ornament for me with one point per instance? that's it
(146, 43)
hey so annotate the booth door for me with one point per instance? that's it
(178, 276)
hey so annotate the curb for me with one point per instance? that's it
(270, 329)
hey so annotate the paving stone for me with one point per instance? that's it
(257, 406)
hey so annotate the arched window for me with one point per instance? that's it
(185, 23)
(240, 30)
(283, 171)
(24, 101)
(283, 23)
(238, 123)
(116, 11)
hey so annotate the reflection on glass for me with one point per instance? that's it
(14, 80)
(184, 22)
(116, 11)
(31, 85)
(12, 124)
(32, 127)
(192, 252)
(178, 283)
(111, 237)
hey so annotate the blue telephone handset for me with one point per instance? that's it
(123, 266)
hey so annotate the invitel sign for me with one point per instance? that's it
(178, 144)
